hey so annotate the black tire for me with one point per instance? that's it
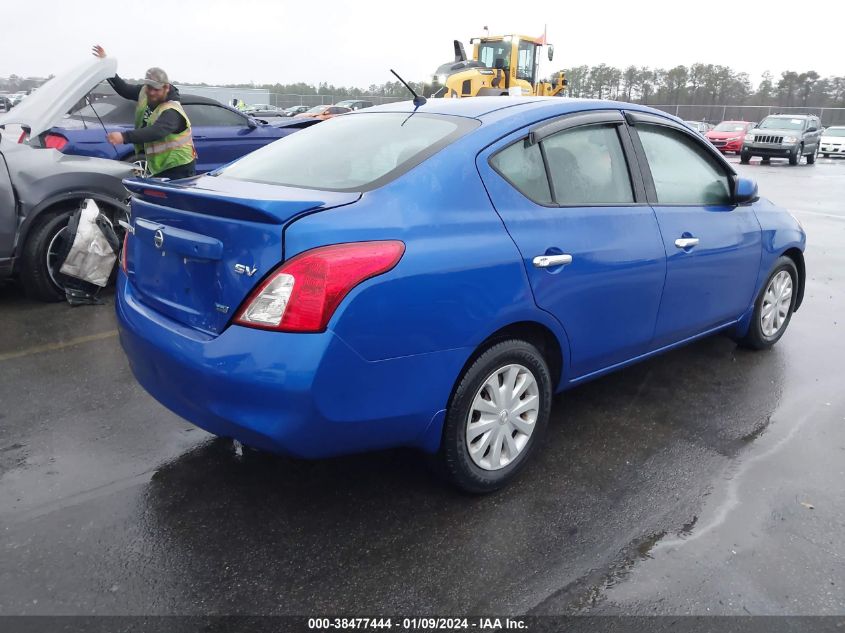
(766, 160)
(795, 157)
(744, 158)
(826, 155)
(755, 338)
(34, 274)
(453, 460)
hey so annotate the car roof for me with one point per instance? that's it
(497, 108)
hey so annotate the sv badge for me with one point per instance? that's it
(243, 269)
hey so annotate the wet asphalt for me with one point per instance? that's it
(710, 480)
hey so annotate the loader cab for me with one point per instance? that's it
(518, 56)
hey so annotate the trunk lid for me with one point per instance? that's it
(46, 106)
(201, 246)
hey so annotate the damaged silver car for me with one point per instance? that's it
(41, 188)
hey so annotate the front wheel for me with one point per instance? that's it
(496, 417)
(744, 158)
(774, 306)
(40, 258)
(795, 157)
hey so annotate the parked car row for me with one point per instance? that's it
(323, 111)
(789, 136)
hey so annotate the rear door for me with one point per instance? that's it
(221, 135)
(713, 246)
(570, 195)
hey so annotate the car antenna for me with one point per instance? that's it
(97, 114)
(418, 100)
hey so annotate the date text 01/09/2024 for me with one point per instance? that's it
(418, 624)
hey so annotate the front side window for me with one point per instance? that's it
(587, 166)
(329, 155)
(682, 171)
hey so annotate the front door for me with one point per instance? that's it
(713, 247)
(589, 241)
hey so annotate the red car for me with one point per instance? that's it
(728, 135)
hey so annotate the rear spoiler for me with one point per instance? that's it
(279, 205)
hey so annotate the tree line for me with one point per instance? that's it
(704, 84)
(700, 84)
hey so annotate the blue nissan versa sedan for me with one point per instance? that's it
(430, 277)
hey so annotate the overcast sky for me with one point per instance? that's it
(355, 43)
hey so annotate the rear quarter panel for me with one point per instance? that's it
(461, 277)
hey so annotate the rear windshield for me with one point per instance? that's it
(353, 152)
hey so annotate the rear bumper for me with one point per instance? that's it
(307, 395)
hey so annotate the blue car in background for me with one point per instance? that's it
(430, 276)
(221, 134)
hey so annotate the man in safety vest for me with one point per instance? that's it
(162, 130)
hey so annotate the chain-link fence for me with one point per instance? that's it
(718, 113)
(287, 100)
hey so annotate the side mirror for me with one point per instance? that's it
(252, 123)
(551, 51)
(745, 191)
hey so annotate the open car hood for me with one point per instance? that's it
(45, 107)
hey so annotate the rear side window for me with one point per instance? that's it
(351, 153)
(587, 166)
(522, 166)
(682, 171)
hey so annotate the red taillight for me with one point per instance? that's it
(55, 141)
(124, 254)
(302, 295)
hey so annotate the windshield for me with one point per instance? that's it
(489, 52)
(109, 110)
(782, 123)
(350, 153)
(835, 131)
(730, 126)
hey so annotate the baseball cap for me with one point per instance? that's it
(156, 78)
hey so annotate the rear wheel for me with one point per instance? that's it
(496, 417)
(766, 160)
(773, 307)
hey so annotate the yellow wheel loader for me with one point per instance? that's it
(500, 65)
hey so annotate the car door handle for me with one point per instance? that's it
(547, 261)
(686, 242)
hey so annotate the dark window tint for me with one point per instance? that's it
(587, 166)
(682, 170)
(351, 153)
(522, 166)
(213, 116)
